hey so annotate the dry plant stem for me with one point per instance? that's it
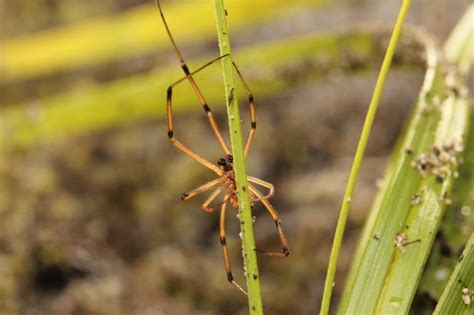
(245, 213)
(329, 283)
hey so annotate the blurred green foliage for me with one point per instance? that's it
(143, 96)
(109, 38)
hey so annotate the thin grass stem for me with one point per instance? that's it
(344, 211)
(235, 129)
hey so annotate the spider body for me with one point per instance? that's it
(227, 166)
(226, 182)
(224, 168)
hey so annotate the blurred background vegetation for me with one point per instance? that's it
(91, 220)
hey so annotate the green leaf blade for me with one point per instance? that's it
(458, 296)
(385, 277)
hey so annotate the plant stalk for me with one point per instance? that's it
(344, 211)
(235, 129)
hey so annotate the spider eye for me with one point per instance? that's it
(221, 162)
(229, 158)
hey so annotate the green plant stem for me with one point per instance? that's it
(245, 212)
(344, 212)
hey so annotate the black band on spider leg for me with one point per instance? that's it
(230, 278)
(206, 108)
(170, 134)
(286, 251)
(251, 98)
(185, 69)
(169, 92)
(223, 242)
(254, 124)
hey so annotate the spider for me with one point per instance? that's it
(224, 168)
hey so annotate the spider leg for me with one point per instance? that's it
(228, 268)
(192, 154)
(202, 188)
(225, 199)
(258, 181)
(205, 206)
(171, 136)
(194, 85)
(190, 75)
(253, 120)
(276, 218)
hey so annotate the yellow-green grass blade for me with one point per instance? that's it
(365, 236)
(457, 225)
(359, 154)
(366, 280)
(110, 38)
(379, 266)
(424, 219)
(143, 96)
(458, 296)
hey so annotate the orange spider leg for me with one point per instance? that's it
(258, 181)
(171, 137)
(194, 85)
(276, 218)
(181, 146)
(202, 188)
(205, 206)
(228, 268)
(197, 70)
(253, 120)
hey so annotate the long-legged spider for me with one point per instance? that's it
(225, 183)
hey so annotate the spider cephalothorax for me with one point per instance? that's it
(225, 182)
(226, 164)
